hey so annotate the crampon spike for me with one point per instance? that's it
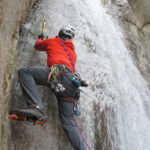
(15, 117)
(39, 123)
(12, 118)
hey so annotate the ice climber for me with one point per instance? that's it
(57, 75)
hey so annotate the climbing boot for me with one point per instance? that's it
(33, 112)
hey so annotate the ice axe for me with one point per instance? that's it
(43, 27)
(42, 34)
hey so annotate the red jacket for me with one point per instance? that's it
(56, 53)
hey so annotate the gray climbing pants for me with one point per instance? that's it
(29, 78)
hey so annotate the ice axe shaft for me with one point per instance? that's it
(43, 26)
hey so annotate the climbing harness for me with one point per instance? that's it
(60, 81)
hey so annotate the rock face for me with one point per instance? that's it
(138, 34)
(141, 11)
(12, 15)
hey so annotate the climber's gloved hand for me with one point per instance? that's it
(41, 36)
(84, 83)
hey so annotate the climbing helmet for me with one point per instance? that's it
(68, 30)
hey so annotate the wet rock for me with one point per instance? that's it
(141, 11)
(133, 19)
(12, 15)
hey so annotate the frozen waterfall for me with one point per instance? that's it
(115, 107)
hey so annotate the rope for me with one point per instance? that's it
(82, 135)
(67, 52)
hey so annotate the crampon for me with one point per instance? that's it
(14, 118)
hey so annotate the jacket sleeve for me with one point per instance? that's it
(41, 45)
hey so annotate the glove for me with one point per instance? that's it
(84, 83)
(41, 36)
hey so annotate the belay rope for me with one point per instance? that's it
(73, 66)
(67, 52)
